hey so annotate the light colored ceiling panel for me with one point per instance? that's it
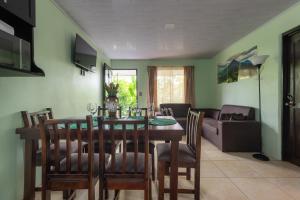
(151, 29)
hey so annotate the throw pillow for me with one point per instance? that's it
(226, 116)
(237, 117)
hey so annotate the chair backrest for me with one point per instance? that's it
(123, 130)
(32, 119)
(102, 111)
(194, 130)
(52, 132)
(144, 111)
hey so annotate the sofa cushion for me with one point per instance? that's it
(248, 112)
(226, 116)
(211, 122)
(210, 125)
(238, 117)
(233, 116)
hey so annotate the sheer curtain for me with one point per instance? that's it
(152, 86)
(170, 85)
(189, 86)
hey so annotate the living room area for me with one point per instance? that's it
(213, 84)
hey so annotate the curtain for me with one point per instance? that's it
(170, 85)
(189, 85)
(152, 87)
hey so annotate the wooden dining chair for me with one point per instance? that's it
(188, 156)
(77, 170)
(103, 112)
(144, 111)
(31, 120)
(130, 145)
(127, 170)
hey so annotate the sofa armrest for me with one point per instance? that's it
(240, 135)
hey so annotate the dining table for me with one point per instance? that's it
(31, 136)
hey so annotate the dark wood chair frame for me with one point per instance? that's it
(143, 110)
(193, 132)
(145, 114)
(123, 180)
(55, 178)
(31, 120)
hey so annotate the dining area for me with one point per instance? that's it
(112, 151)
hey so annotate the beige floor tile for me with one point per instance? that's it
(235, 169)
(219, 155)
(209, 169)
(204, 156)
(243, 155)
(290, 186)
(220, 189)
(273, 169)
(260, 189)
(208, 145)
(227, 176)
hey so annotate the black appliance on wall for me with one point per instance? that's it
(14, 52)
(85, 56)
(16, 46)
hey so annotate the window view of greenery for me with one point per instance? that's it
(127, 88)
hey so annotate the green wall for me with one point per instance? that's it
(245, 92)
(203, 74)
(63, 89)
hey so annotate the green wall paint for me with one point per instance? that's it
(245, 92)
(63, 89)
(203, 74)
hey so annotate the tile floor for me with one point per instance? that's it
(230, 176)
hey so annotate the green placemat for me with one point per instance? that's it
(154, 122)
(162, 122)
(116, 127)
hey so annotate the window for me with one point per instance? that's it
(170, 85)
(127, 88)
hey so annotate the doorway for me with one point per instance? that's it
(291, 97)
(127, 80)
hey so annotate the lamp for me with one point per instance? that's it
(258, 61)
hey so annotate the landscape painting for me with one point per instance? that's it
(237, 67)
(246, 70)
(233, 71)
(222, 74)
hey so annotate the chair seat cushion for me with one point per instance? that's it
(62, 149)
(107, 146)
(141, 147)
(130, 163)
(185, 154)
(84, 161)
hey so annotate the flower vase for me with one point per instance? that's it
(112, 103)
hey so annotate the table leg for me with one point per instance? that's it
(174, 170)
(29, 169)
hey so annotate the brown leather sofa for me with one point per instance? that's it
(180, 111)
(232, 129)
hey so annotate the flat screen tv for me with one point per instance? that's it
(85, 56)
